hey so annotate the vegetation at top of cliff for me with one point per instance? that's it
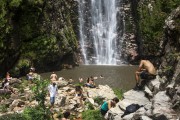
(152, 15)
(41, 31)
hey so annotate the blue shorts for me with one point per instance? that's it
(52, 100)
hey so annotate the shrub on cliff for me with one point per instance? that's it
(152, 15)
(118, 92)
(92, 115)
(12, 117)
(36, 113)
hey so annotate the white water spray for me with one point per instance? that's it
(98, 31)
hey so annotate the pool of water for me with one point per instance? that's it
(115, 76)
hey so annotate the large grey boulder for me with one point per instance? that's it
(103, 91)
(61, 83)
(136, 97)
(154, 85)
(130, 97)
(162, 106)
(3, 92)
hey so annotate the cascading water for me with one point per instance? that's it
(98, 31)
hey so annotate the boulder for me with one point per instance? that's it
(14, 81)
(130, 97)
(145, 118)
(162, 106)
(136, 97)
(62, 101)
(4, 91)
(154, 85)
(103, 91)
(61, 83)
(148, 92)
(17, 103)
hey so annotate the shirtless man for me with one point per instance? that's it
(53, 77)
(146, 69)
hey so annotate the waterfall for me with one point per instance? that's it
(98, 32)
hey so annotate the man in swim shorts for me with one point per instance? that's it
(145, 71)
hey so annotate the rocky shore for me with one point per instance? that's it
(156, 103)
(65, 99)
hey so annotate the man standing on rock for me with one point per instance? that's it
(52, 91)
(145, 71)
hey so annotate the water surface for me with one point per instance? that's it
(114, 76)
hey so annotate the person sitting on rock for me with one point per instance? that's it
(53, 77)
(108, 104)
(66, 115)
(145, 71)
(30, 76)
(79, 94)
(80, 80)
(6, 86)
(8, 77)
(32, 69)
(90, 83)
(70, 80)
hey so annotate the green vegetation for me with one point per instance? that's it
(118, 93)
(40, 91)
(5, 96)
(128, 24)
(3, 108)
(92, 115)
(79, 84)
(37, 113)
(89, 106)
(12, 117)
(40, 112)
(98, 100)
(36, 32)
(151, 22)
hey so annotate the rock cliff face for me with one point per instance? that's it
(42, 32)
(130, 44)
(169, 69)
(160, 97)
(155, 102)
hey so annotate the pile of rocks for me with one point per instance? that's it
(65, 99)
(156, 104)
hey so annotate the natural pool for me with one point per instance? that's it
(114, 76)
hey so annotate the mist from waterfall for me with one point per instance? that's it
(98, 31)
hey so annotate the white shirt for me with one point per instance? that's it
(52, 90)
(6, 85)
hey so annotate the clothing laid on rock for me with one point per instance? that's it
(130, 109)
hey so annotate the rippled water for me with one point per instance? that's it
(114, 76)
